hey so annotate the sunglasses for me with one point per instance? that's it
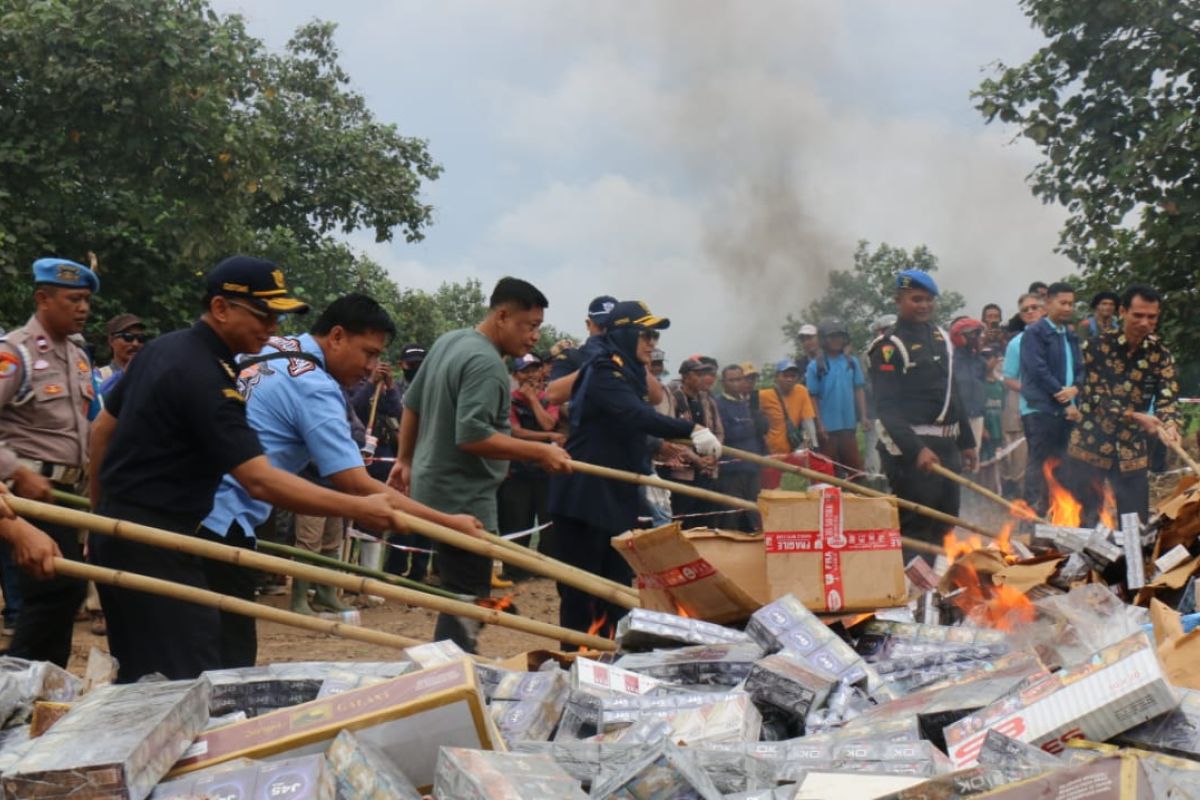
(258, 313)
(141, 338)
(649, 336)
(1027, 309)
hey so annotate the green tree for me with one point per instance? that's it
(161, 136)
(866, 291)
(1111, 102)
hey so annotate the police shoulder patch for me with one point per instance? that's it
(887, 351)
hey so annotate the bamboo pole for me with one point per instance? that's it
(281, 566)
(603, 588)
(286, 551)
(866, 491)
(1179, 451)
(222, 602)
(374, 407)
(983, 491)
(711, 496)
(513, 553)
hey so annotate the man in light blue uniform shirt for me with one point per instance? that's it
(297, 407)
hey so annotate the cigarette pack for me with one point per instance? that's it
(363, 772)
(695, 718)
(464, 774)
(433, 654)
(785, 682)
(1120, 687)
(664, 772)
(118, 742)
(921, 574)
(604, 679)
(708, 665)
(303, 778)
(257, 690)
(408, 718)
(1131, 544)
(643, 629)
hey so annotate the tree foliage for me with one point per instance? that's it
(162, 137)
(1111, 102)
(867, 291)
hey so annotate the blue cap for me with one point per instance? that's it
(61, 272)
(635, 313)
(526, 361)
(916, 279)
(600, 309)
(786, 364)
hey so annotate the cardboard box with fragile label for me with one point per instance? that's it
(834, 551)
(702, 573)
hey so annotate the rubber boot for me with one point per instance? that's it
(326, 599)
(300, 597)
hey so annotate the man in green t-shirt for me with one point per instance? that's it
(455, 443)
(993, 413)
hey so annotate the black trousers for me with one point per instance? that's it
(47, 618)
(148, 633)
(521, 500)
(1046, 437)
(238, 635)
(1131, 490)
(589, 548)
(745, 485)
(926, 488)
(465, 573)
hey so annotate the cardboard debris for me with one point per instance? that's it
(833, 551)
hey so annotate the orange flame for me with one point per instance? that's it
(680, 611)
(1001, 607)
(598, 624)
(495, 603)
(956, 548)
(1022, 510)
(1065, 510)
(1108, 509)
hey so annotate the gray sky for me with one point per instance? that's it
(715, 159)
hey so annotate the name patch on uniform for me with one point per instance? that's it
(887, 367)
(233, 394)
(8, 365)
(41, 363)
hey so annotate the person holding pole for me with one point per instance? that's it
(455, 438)
(173, 426)
(611, 417)
(294, 401)
(921, 419)
(46, 390)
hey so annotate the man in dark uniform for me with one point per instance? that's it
(611, 417)
(174, 424)
(920, 416)
(46, 390)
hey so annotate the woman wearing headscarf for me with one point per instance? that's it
(611, 418)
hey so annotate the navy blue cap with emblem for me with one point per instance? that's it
(257, 279)
(62, 272)
(917, 279)
(600, 309)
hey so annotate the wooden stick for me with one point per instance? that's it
(250, 559)
(374, 407)
(603, 588)
(1179, 451)
(355, 569)
(222, 602)
(513, 553)
(866, 491)
(1011, 507)
(711, 496)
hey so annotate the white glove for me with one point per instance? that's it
(706, 442)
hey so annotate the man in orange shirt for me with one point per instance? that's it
(790, 415)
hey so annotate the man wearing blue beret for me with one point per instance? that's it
(45, 392)
(921, 421)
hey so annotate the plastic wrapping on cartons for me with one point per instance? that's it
(789, 792)
(22, 683)
(303, 778)
(434, 654)
(362, 772)
(785, 682)
(718, 665)
(464, 774)
(1071, 627)
(785, 624)
(338, 681)
(603, 680)
(650, 730)
(1119, 777)
(694, 718)
(1177, 732)
(1016, 759)
(258, 690)
(119, 739)
(14, 742)
(1118, 688)
(643, 629)
(584, 761)
(664, 772)
(520, 720)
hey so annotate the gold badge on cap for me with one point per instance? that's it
(278, 276)
(66, 272)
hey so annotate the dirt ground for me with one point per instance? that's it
(533, 598)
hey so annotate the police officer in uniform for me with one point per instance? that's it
(611, 417)
(45, 392)
(921, 421)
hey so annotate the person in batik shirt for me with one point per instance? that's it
(1129, 393)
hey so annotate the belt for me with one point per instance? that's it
(65, 474)
(941, 431)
